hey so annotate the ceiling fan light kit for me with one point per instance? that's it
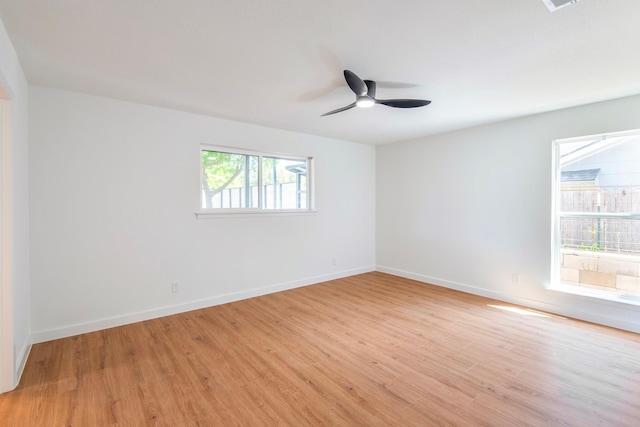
(365, 91)
(365, 101)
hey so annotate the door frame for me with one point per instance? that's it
(7, 353)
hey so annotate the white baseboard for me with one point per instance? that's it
(82, 328)
(21, 361)
(562, 310)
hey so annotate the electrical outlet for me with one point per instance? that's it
(175, 287)
(515, 278)
(334, 261)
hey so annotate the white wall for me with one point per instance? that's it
(468, 209)
(114, 189)
(15, 86)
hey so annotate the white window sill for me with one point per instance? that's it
(601, 296)
(252, 213)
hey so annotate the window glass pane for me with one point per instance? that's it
(284, 183)
(602, 235)
(229, 180)
(602, 176)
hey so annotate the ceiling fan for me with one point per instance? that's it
(365, 91)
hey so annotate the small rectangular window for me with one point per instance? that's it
(242, 181)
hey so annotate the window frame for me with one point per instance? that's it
(260, 210)
(555, 282)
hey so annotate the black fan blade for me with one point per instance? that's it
(348, 107)
(403, 103)
(355, 83)
(371, 88)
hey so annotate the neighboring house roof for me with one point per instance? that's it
(584, 175)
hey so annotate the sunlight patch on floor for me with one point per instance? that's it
(517, 310)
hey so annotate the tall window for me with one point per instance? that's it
(242, 181)
(596, 230)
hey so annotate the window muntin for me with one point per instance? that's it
(596, 215)
(234, 180)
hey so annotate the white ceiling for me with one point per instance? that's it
(279, 63)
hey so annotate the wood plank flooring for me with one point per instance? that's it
(372, 349)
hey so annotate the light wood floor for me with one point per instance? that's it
(372, 349)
